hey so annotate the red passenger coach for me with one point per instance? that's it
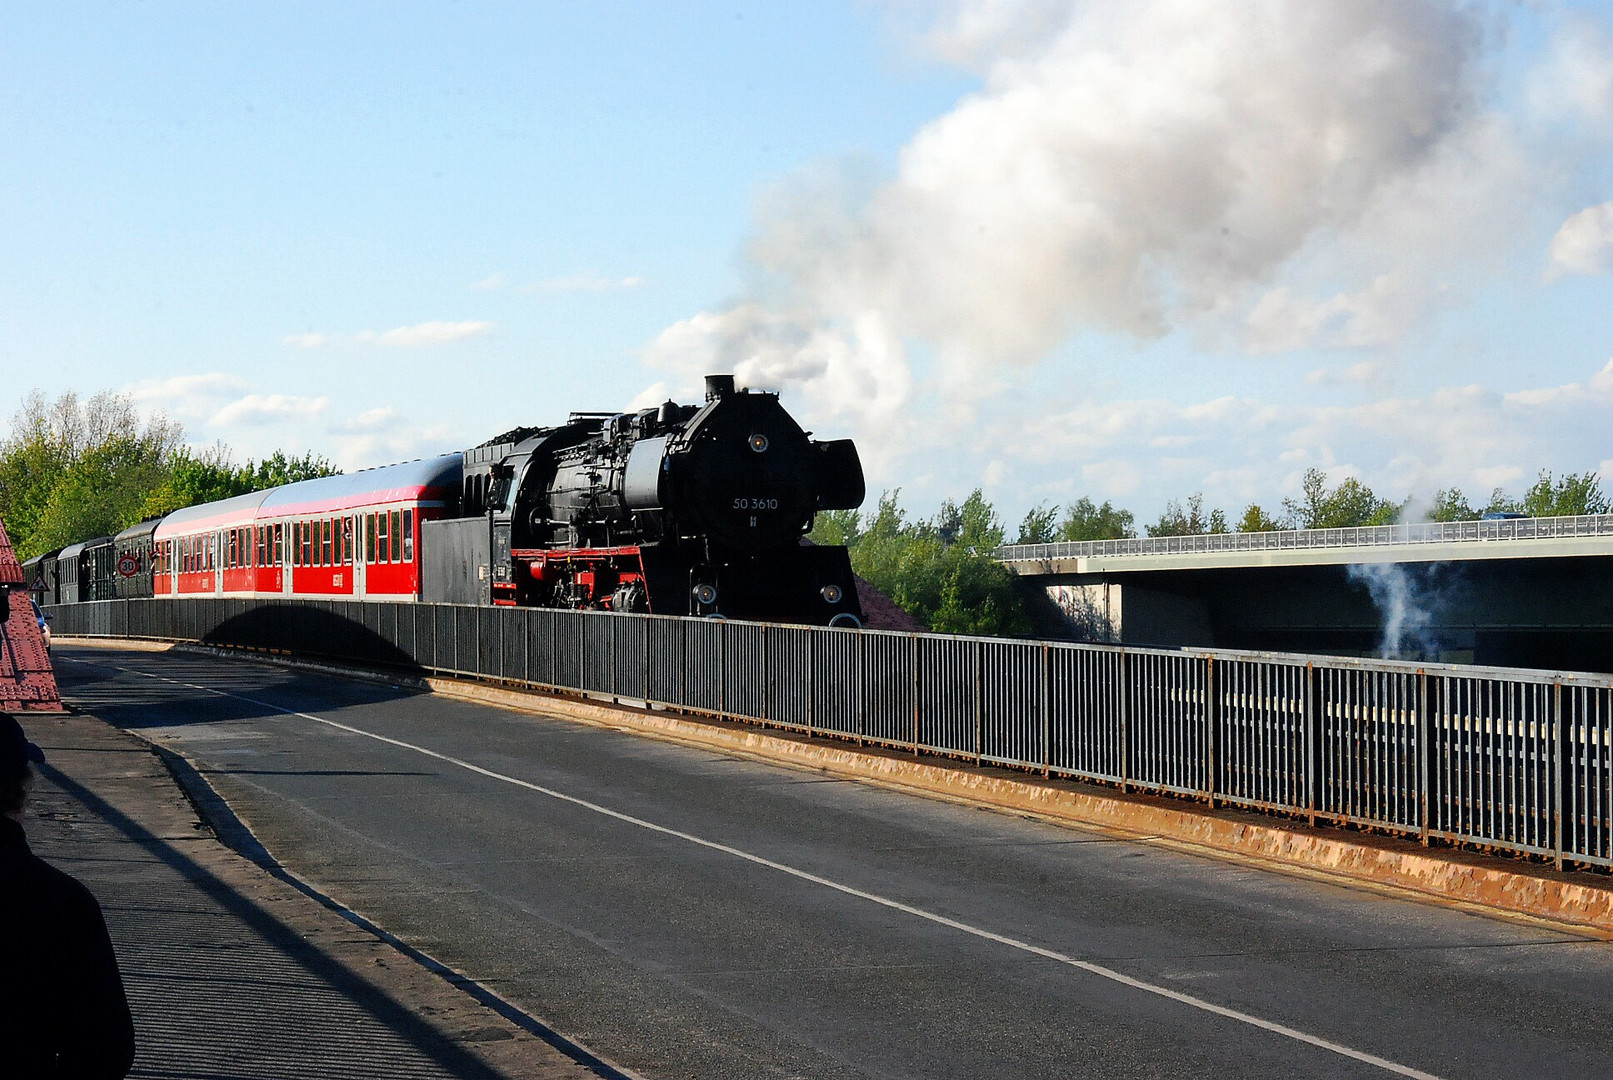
(352, 535)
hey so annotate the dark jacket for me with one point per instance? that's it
(62, 1009)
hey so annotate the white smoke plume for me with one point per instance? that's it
(1124, 167)
(1408, 601)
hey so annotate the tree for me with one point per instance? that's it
(1350, 504)
(1451, 505)
(1040, 525)
(74, 469)
(833, 528)
(1177, 520)
(940, 571)
(1575, 493)
(277, 470)
(1257, 520)
(1084, 521)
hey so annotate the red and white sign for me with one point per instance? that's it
(129, 565)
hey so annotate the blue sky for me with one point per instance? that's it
(1052, 249)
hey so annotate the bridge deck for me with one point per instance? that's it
(1516, 538)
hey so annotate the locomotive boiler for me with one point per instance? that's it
(676, 509)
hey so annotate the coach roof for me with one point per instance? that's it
(429, 480)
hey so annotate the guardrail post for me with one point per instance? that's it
(1212, 729)
(722, 670)
(913, 644)
(812, 679)
(1313, 745)
(767, 674)
(1560, 752)
(1125, 722)
(861, 688)
(1047, 709)
(980, 702)
(582, 653)
(1425, 749)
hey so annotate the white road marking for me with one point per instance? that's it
(804, 875)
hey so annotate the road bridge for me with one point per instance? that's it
(1520, 591)
(685, 912)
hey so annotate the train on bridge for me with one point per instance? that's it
(677, 509)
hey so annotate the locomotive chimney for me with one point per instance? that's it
(719, 386)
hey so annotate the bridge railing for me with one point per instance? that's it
(1516, 760)
(1436, 532)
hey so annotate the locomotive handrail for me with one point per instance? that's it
(1434, 532)
(1511, 759)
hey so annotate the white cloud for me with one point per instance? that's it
(1241, 449)
(587, 281)
(305, 341)
(186, 397)
(256, 409)
(1364, 373)
(376, 419)
(424, 334)
(399, 441)
(1584, 244)
(490, 283)
(1578, 75)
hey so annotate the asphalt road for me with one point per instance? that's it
(687, 913)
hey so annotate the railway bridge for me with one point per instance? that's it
(1529, 592)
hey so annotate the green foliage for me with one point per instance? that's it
(277, 470)
(1085, 521)
(1451, 505)
(1575, 493)
(1502, 503)
(940, 571)
(1189, 520)
(74, 469)
(836, 528)
(1349, 504)
(1040, 525)
(1257, 520)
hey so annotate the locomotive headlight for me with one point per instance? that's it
(758, 443)
(705, 594)
(831, 594)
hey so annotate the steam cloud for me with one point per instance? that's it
(1408, 601)
(1132, 168)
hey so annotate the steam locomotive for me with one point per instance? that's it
(678, 509)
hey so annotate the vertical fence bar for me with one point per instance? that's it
(1047, 709)
(1560, 749)
(1212, 729)
(1314, 709)
(812, 680)
(913, 647)
(980, 702)
(1424, 735)
(1125, 720)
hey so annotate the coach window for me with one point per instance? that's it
(369, 538)
(396, 552)
(235, 550)
(279, 544)
(408, 536)
(381, 536)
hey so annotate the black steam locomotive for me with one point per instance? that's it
(678, 509)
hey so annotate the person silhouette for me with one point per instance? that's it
(63, 1013)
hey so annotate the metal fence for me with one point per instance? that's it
(1438, 532)
(1510, 759)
